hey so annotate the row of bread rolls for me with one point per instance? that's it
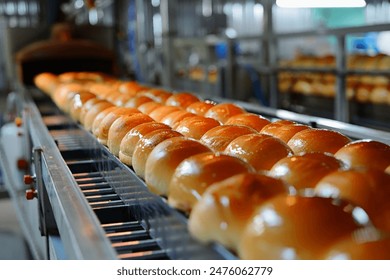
(362, 88)
(199, 74)
(240, 177)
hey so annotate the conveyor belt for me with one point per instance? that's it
(139, 225)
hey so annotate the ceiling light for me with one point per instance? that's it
(320, 3)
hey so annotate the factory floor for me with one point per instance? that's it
(12, 244)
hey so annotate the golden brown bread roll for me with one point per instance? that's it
(200, 108)
(365, 153)
(226, 207)
(195, 174)
(295, 227)
(363, 92)
(182, 99)
(101, 89)
(148, 107)
(136, 101)
(223, 111)
(219, 137)
(87, 107)
(304, 171)
(259, 150)
(105, 124)
(145, 146)
(283, 130)
(160, 112)
(366, 188)
(95, 110)
(131, 88)
(83, 76)
(164, 159)
(317, 140)
(254, 121)
(77, 102)
(64, 93)
(120, 127)
(117, 98)
(379, 94)
(130, 140)
(196, 126)
(158, 95)
(362, 244)
(172, 119)
(47, 82)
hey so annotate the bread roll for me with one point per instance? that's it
(317, 140)
(87, 107)
(283, 130)
(47, 82)
(95, 110)
(64, 93)
(182, 100)
(196, 126)
(148, 107)
(145, 146)
(226, 207)
(200, 108)
(172, 119)
(259, 150)
(365, 153)
(131, 88)
(107, 121)
(379, 94)
(366, 188)
(362, 244)
(137, 101)
(363, 92)
(101, 90)
(305, 171)
(67, 77)
(117, 98)
(218, 138)
(160, 112)
(164, 159)
(254, 121)
(222, 112)
(130, 140)
(195, 174)
(82, 76)
(120, 127)
(77, 102)
(158, 95)
(295, 227)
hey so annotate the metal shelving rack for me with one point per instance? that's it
(270, 68)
